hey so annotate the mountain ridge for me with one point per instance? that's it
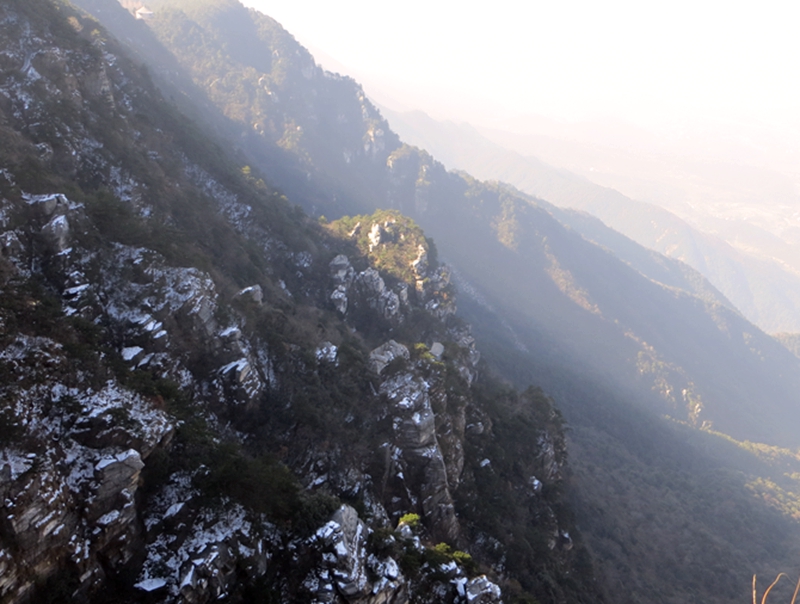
(207, 394)
(695, 388)
(749, 280)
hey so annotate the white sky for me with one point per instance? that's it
(643, 62)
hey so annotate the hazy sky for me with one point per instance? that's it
(646, 62)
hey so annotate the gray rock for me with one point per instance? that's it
(357, 577)
(376, 236)
(419, 453)
(386, 353)
(342, 275)
(378, 296)
(253, 293)
(10, 245)
(482, 591)
(327, 352)
(420, 263)
(56, 233)
(339, 299)
(341, 271)
(116, 474)
(46, 205)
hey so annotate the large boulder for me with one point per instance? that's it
(386, 353)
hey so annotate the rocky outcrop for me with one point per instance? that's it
(367, 287)
(372, 287)
(347, 571)
(69, 485)
(417, 462)
(386, 353)
(187, 383)
(194, 553)
(480, 591)
(342, 275)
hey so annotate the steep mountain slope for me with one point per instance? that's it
(207, 395)
(586, 295)
(766, 292)
(617, 349)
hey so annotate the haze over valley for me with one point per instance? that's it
(702, 127)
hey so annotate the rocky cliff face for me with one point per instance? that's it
(80, 435)
(548, 306)
(206, 395)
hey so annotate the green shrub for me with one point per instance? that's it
(466, 562)
(410, 519)
(442, 553)
(259, 483)
(314, 510)
(439, 554)
(410, 562)
(384, 543)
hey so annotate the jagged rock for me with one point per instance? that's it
(433, 289)
(231, 334)
(378, 296)
(482, 591)
(242, 381)
(206, 577)
(38, 521)
(342, 271)
(80, 505)
(548, 457)
(116, 474)
(74, 504)
(342, 274)
(420, 264)
(327, 352)
(348, 571)
(207, 552)
(140, 290)
(349, 544)
(339, 299)
(386, 353)
(56, 233)
(10, 245)
(376, 234)
(418, 459)
(356, 230)
(46, 205)
(462, 336)
(402, 293)
(371, 283)
(253, 293)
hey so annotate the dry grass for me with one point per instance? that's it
(766, 593)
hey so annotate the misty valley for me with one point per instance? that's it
(265, 340)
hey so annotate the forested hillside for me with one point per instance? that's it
(207, 395)
(323, 357)
(619, 346)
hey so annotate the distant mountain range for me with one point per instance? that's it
(763, 286)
